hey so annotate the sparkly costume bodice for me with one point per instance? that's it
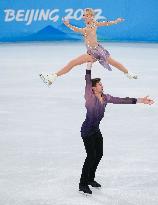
(91, 36)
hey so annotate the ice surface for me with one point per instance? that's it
(41, 151)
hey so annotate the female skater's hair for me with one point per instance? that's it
(95, 81)
(89, 11)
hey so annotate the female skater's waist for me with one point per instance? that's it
(92, 46)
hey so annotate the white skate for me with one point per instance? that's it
(131, 76)
(48, 78)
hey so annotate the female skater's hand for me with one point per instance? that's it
(145, 100)
(65, 21)
(119, 20)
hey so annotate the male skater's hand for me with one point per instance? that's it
(89, 66)
(145, 100)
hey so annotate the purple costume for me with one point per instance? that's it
(95, 109)
(101, 54)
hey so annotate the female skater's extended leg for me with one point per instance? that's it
(121, 67)
(49, 78)
(77, 61)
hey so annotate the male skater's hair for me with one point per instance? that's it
(95, 81)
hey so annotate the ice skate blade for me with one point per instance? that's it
(84, 194)
(99, 188)
(135, 77)
(43, 79)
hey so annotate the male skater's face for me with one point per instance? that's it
(98, 88)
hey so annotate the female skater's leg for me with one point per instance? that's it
(116, 64)
(121, 67)
(77, 61)
(50, 78)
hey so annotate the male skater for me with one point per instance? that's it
(96, 102)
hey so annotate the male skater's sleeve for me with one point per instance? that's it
(88, 88)
(118, 100)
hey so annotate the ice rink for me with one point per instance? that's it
(41, 150)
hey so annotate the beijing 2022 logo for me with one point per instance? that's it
(34, 15)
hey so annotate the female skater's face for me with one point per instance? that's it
(87, 16)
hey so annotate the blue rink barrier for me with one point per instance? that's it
(41, 20)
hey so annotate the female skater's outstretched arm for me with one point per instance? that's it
(74, 28)
(109, 23)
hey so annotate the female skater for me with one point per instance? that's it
(94, 50)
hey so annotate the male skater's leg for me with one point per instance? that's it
(89, 143)
(98, 155)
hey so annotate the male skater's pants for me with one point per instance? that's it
(94, 148)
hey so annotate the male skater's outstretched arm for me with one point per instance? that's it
(127, 100)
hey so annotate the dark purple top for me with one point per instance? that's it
(96, 109)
